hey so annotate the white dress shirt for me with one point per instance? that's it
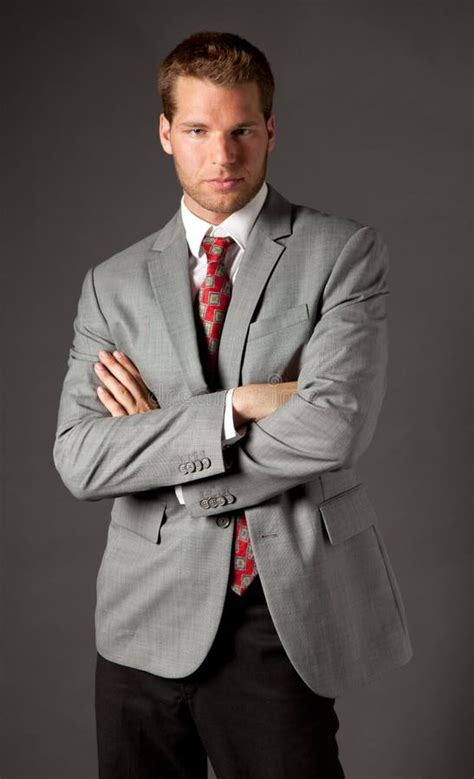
(238, 226)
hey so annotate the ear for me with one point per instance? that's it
(164, 131)
(271, 130)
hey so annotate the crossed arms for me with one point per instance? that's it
(326, 424)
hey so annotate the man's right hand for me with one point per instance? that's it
(252, 402)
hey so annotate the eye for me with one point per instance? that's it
(239, 130)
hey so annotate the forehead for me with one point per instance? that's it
(202, 98)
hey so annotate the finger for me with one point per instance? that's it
(115, 387)
(130, 366)
(127, 363)
(110, 403)
(135, 386)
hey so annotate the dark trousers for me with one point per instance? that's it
(245, 707)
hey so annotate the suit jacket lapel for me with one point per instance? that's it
(261, 254)
(168, 268)
(169, 275)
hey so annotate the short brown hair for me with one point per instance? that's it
(221, 57)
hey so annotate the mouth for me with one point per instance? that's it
(224, 184)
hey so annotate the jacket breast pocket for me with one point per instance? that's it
(274, 346)
(288, 318)
(141, 514)
(348, 513)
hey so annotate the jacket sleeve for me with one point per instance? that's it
(100, 456)
(230, 434)
(330, 420)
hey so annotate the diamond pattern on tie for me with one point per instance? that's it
(244, 568)
(214, 296)
(213, 299)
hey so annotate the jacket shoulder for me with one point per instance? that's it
(324, 222)
(325, 234)
(127, 258)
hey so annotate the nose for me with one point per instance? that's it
(224, 150)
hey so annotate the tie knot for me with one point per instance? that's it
(216, 246)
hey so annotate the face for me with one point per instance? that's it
(217, 133)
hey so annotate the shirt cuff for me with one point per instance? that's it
(230, 434)
(179, 493)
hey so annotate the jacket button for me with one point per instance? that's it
(221, 501)
(190, 467)
(213, 504)
(198, 465)
(183, 468)
(206, 463)
(223, 521)
(204, 503)
(229, 498)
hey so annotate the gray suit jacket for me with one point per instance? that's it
(308, 303)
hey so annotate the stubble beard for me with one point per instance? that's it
(218, 203)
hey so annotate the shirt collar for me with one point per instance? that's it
(238, 225)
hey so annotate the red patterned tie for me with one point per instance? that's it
(214, 297)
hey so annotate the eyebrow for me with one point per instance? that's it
(202, 124)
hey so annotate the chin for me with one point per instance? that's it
(224, 202)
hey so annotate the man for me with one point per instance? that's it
(226, 374)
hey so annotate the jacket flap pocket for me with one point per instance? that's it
(347, 513)
(285, 319)
(142, 515)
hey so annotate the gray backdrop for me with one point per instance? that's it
(372, 123)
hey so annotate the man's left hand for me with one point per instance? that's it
(125, 393)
